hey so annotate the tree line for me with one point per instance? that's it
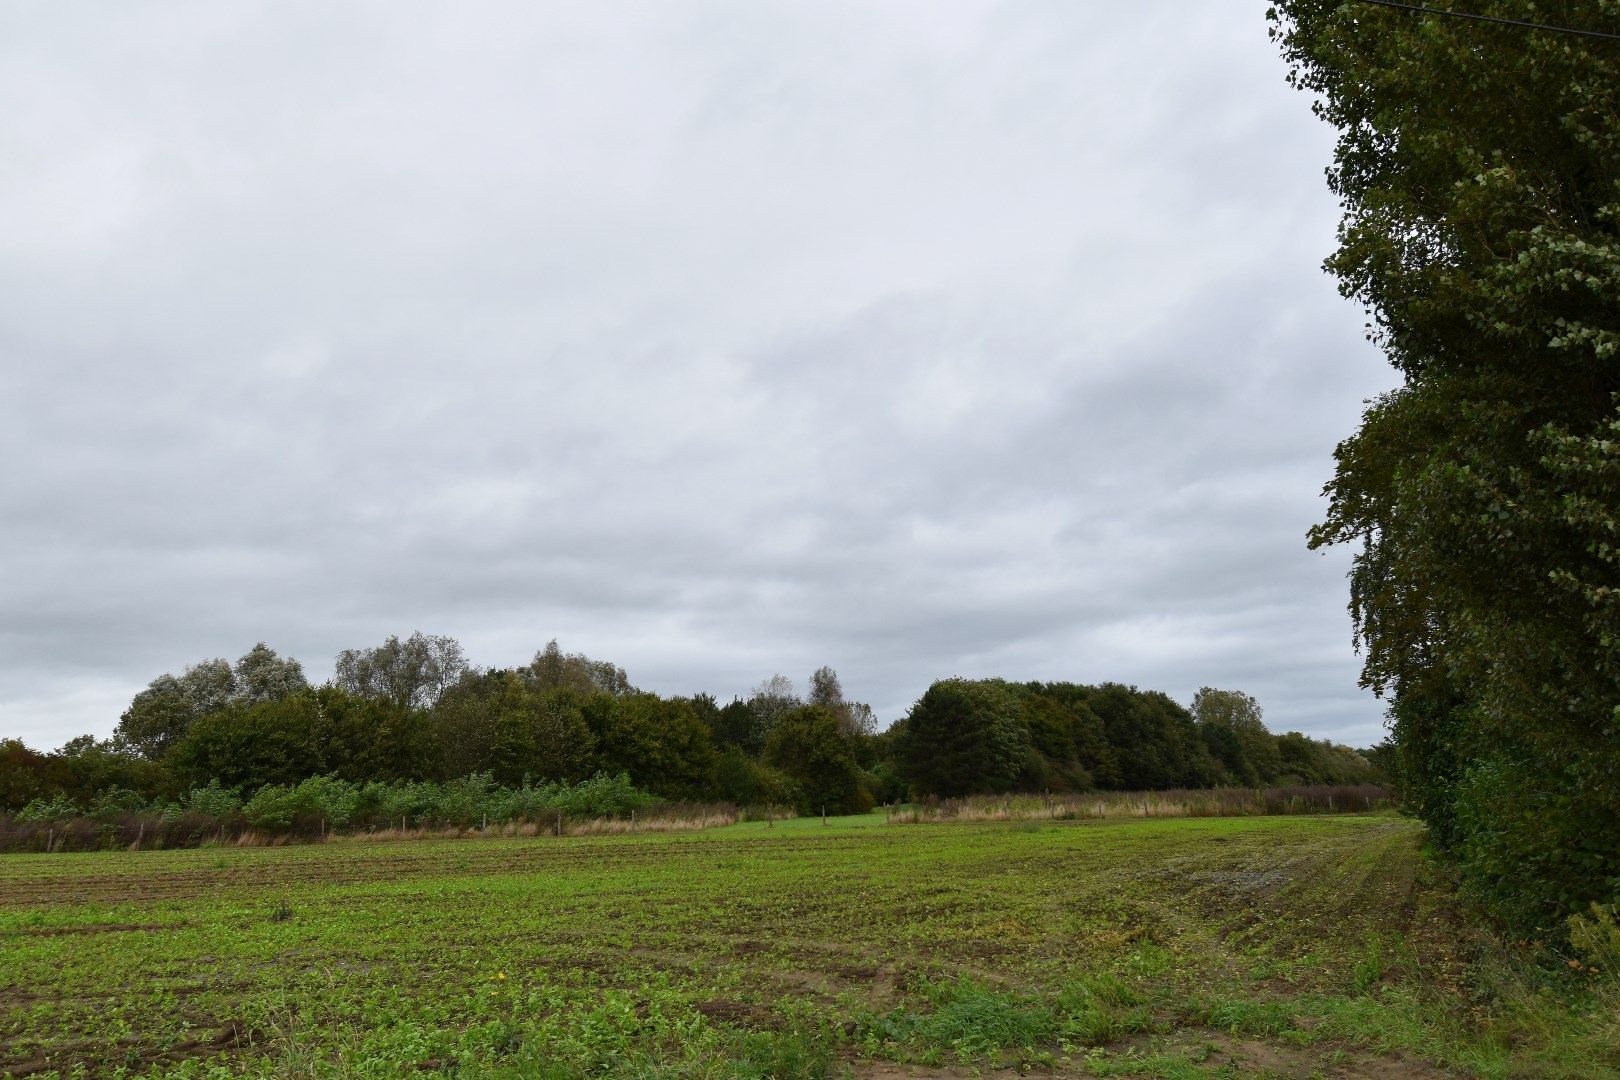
(412, 711)
(1478, 167)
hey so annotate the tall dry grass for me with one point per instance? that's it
(137, 832)
(1180, 802)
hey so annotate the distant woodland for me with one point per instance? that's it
(400, 725)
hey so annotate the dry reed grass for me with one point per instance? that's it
(137, 833)
(1213, 802)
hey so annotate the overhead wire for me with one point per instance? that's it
(1521, 23)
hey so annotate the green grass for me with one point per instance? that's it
(1164, 947)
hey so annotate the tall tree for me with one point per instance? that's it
(552, 669)
(157, 718)
(1479, 171)
(855, 719)
(502, 723)
(1231, 720)
(411, 673)
(825, 689)
(263, 675)
(963, 737)
(161, 714)
(253, 744)
(770, 700)
(1154, 740)
(808, 744)
(663, 744)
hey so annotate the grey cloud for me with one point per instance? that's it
(716, 340)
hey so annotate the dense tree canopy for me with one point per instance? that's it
(1479, 170)
(160, 715)
(976, 736)
(256, 737)
(811, 747)
(963, 737)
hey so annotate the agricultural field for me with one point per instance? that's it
(1322, 945)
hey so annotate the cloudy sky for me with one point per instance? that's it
(715, 339)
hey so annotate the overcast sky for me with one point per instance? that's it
(714, 339)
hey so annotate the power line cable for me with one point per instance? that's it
(1494, 19)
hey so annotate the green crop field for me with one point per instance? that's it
(1322, 945)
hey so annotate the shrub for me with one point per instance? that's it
(326, 799)
(116, 802)
(213, 801)
(59, 808)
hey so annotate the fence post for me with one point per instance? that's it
(139, 833)
(559, 823)
(632, 821)
(486, 823)
(50, 840)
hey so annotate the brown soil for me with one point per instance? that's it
(1245, 1057)
(100, 928)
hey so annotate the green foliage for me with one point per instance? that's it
(552, 669)
(59, 808)
(1595, 937)
(1535, 843)
(513, 727)
(1241, 1017)
(748, 724)
(733, 726)
(212, 800)
(336, 804)
(253, 744)
(263, 675)
(88, 767)
(808, 745)
(1479, 171)
(1229, 722)
(26, 775)
(963, 737)
(113, 801)
(369, 738)
(1154, 740)
(278, 807)
(391, 722)
(662, 741)
(974, 1021)
(746, 782)
(159, 716)
(1069, 743)
(989, 736)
